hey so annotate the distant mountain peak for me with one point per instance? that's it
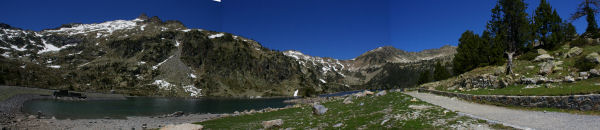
(143, 16)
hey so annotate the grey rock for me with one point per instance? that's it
(338, 125)
(541, 51)
(543, 57)
(348, 100)
(569, 79)
(594, 73)
(272, 123)
(584, 74)
(319, 109)
(574, 52)
(381, 93)
(546, 68)
(593, 57)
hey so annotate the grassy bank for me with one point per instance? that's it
(394, 110)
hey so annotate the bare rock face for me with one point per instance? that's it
(574, 52)
(272, 123)
(319, 109)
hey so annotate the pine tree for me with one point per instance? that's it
(516, 26)
(588, 8)
(424, 77)
(469, 53)
(440, 72)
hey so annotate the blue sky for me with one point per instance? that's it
(330, 28)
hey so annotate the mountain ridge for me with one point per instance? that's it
(148, 56)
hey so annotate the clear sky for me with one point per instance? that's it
(330, 28)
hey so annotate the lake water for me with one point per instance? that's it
(145, 106)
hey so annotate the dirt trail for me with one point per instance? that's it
(519, 118)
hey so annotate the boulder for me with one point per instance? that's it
(319, 109)
(348, 100)
(546, 68)
(367, 92)
(380, 93)
(272, 123)
(584, 75)
(186, 126)
(543, 57)
(593, 57)
(594, 73)
(541, 51)
(574, 52)
(569, 79)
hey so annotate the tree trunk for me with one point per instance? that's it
(509, 63)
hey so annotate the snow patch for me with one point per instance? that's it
(296, 93)
(216, 35)
(107, 27)
(323, 81)
(54, 66)
(176, 43)
(18, 48)
(193, 76)
(50, 48)
(164, 85)
(194, 92)
(6, 54)
(156, 66)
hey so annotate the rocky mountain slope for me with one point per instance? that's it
(381, 68)
(149, 56)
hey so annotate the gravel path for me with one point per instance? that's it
(519, 118)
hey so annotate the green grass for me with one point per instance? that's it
(9, 91)
(559, 89)
(393, 107)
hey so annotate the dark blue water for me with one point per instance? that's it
(340, 93)
(145, 106)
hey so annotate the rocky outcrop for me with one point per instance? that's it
(593, 57)
(574, 52)
(543, 57)
(576, 102)
(481, 81)
(546, 68)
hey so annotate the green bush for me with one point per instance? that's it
(579, 42)
(583, 65)
(528, 56)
